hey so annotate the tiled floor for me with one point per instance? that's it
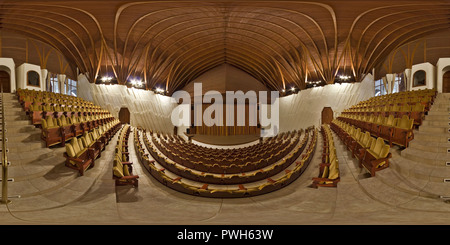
(93, 199)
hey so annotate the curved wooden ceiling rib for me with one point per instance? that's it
(413, 35)
(49, 34)
(248, 63)
(18, 8)
(186, 57)
(197, 40)
(268, 30)
(277, 42)
(402, 22)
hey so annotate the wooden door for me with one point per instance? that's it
(327, 115)
(5, 81)
(446, 82)
(124, 115)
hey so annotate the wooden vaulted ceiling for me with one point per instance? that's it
(280, 43)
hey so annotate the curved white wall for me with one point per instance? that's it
(430, 76)
(147, 109)
(21, 80)
(7, 64)
(304, 109)
(153, 111)
(443, 65)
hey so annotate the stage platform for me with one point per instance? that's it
(225, 140)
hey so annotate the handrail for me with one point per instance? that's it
(4, 156)
(5, 163)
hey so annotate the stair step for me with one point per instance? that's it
(430, 146)
(31, 156)
(19, 147)
(438, 123)
(385, 193)
(418, 170)
(437, 117)
(20, 128)
(13, 118)
(431, 158)
(15, 113)
(37, 168)
(391, 178)
(23, 137)
(47, 186)
(435, 129)
(439, 113)
(430, 137)
(17, 123)
(440, 105)
(11, 104)
(14, 109)
(426, 178)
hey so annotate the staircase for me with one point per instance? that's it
(425, 164)
(36, 170)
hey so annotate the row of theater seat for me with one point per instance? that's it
(415, 112)
(81, 152)
(425, 97)
(329, 168)
(259, 173)
(59, 130)
(200, 153)
(39, 105)
(37, 113)
(372, 152)
(122, 166)
(240, 190)
(397, 131)
(233, 164)
(61, 117)
(414, 104)
(28, 97)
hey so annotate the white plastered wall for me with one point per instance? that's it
(430, 76)
(304, 109)
(147, 109)
(442, 66)
(21, 79)
(153, 111)
(8, 65)
(390, 78)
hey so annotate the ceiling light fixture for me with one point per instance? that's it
(159, 90)
(106, 79)
(136, 82)
(344, 77)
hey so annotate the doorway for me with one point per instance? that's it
(5, 81)
(446, 82)
(124, 115)
(327, 115)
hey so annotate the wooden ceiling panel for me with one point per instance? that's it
(277, 42)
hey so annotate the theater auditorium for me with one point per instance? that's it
(225, 112)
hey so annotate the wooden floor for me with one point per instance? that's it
(225, 140)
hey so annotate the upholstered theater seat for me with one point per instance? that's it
(51, 131)
(376, 157)
(78, 157)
